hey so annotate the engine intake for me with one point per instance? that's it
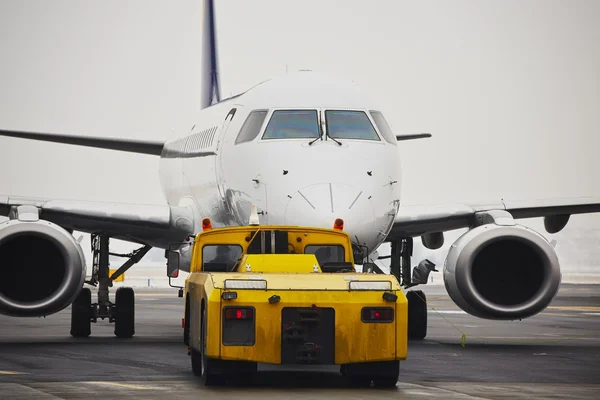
(502, 272)
(42, 268)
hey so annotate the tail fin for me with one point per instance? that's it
(210, 67)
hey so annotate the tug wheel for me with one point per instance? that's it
(417, 314)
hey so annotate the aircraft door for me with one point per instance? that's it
(240, 182)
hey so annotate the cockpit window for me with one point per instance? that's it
(251, 126)
(383, 127)
(293, 124)
(350, 125)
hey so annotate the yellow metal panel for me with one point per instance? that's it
(289, 263)
(319, 282)
(355, 341)
(121, 278)
(292, 277)
(298, 238)
(214, 325)
(199, 288)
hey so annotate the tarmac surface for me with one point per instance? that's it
(555, 354)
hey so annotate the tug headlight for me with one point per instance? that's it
(370, 285)
(245, 284)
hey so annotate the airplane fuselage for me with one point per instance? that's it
(293, 176)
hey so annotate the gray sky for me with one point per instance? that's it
(509, 89)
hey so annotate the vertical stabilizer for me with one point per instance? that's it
(210, 67)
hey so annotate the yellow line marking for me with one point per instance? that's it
(12, 373)
(123, 385)
(574, 308)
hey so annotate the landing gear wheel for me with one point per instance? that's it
(417, 314)
(209, 377)
(81, 314)
(124, 313)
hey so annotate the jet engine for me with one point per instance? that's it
(42, 268)
(502, 272)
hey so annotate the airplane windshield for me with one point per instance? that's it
(293, 124)
(350, 125)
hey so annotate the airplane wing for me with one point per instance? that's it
(414, 221)
(128, 145)
(154, 225)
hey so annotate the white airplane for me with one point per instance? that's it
(306, 149)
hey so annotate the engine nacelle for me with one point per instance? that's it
(42, 268)
(502, 272)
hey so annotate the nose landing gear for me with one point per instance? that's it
(122, 311)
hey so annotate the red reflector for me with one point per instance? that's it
(372, 314)
(239, 313)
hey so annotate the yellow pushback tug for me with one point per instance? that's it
(290, 295)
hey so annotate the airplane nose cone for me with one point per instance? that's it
(320, 204)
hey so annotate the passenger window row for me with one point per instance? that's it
(201, 140)
(191, 144)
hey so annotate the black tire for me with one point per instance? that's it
(196, 362)
(81, 313)
(417, 314)
(390, 378)
(385, 381)
(186, 323)
(358, 381)
(209, 377)
(124, 313)
(343, 370)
